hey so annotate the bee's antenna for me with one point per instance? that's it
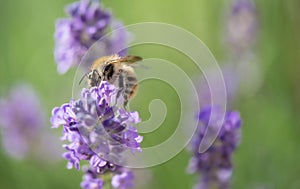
(83, 78)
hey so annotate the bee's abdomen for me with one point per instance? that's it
(131, 85)
(133, 92)
(132, 79)
(126, 83)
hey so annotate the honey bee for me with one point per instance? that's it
(118, 71)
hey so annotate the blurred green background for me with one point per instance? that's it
(269, 153)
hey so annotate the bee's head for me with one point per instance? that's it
(94, 78)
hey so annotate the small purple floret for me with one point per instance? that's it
(123, 180)
(89, 182)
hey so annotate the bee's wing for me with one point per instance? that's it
(115, 60)
(130, 59)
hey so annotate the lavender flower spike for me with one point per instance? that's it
(98, 133)
(215, 165)
(88, 22)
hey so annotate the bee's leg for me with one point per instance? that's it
(126, 92)
(125, 101)
(121, 86)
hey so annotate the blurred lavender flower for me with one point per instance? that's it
(215, 164)
(98, 133)
(242, 25)
(241, 35)
(21, 119)
(22, 124)
(231, 83)
(88, 22)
